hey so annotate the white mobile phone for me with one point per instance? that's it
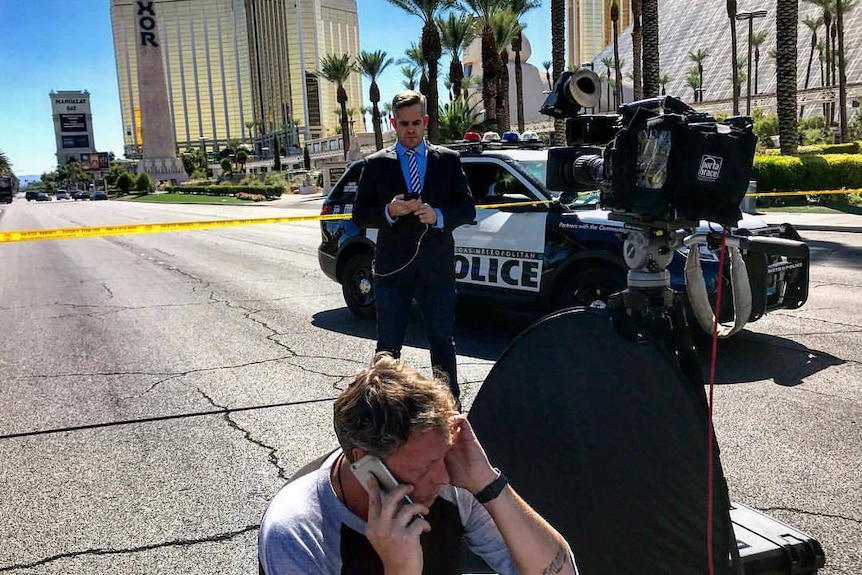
(370, 465)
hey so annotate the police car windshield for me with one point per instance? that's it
(537, 170)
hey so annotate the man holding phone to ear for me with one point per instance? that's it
(327, 522)
(416, 194)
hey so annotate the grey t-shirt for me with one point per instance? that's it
(307, 529)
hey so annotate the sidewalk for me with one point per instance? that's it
(815, 222)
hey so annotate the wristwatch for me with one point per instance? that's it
(493, 489)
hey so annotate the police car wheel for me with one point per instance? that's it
(356, 286)
(591, 288)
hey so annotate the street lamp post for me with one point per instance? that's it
(750, 16)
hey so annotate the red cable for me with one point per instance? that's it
(710, 435)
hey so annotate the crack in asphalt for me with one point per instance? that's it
(141, 548)
(107, 289)
(282, 473)
(812, 513)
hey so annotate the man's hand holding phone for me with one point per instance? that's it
(404, 204)
(394, 521)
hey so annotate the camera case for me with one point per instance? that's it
(671, 162)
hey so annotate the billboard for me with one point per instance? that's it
(96, 161)
(73, 123)
(76, 141)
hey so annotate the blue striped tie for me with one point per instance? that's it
(413, 168)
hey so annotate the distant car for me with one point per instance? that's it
(529, 136)
(62, 195)
(99, 195)
(490, 137)
(31, 195)
(81, 195)
(43, 197)
(510, 137)
(472, 137)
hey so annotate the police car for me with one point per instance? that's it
(533, 248)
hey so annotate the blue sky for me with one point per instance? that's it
(66, 45)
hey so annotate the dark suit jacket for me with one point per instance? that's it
(445, 189)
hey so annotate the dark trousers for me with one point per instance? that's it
(393, 297)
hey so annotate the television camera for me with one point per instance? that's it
(670, 173)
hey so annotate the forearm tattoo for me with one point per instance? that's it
(557, 564)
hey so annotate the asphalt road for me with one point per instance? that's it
(157, 390)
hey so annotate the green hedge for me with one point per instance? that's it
(226, 190)
(807, 172)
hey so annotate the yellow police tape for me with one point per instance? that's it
(133, 229)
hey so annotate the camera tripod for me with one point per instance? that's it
(649, 309)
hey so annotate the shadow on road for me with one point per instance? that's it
(750, 356)
(479, 333)
(484, 334)
(836, 254)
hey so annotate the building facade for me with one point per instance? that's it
(589, 28)
(73, 124)
(690, 25)
(239, 70)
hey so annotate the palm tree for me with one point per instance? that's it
(828, 9)
(519, 8)
(734, 58)
(558, 46)
(615, 17)
(650, 48)
(428, 10)
(757, 39)
(337, 69)
(241, 158)
(693, 80)
(698, 58)
(458, 117)
(387, 109)
(637, 51)
(609, 64)
(409, 72)
(786, 21)
(5, 164)
(456, 32)
(813, 24)
(742, 72)
(663, 81)
(371, 65)
(484, 10)
(503, 24)
(248, 126)
(840, 6)
(413, 57)
(547, 66)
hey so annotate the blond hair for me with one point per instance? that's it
(387, 403)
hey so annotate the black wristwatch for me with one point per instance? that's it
(493, 489)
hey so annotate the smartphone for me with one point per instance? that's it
(370, 465)
(411, 196)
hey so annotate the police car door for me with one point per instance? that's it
(504, 251)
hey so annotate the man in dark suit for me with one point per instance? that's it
(416, 194)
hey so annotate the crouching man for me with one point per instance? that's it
(327, 522)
